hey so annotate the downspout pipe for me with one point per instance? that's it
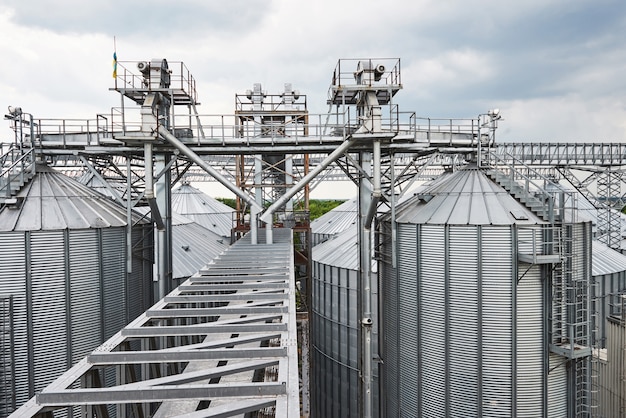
(366, 320)
(269, 212)
(255, 208)
(149, 192)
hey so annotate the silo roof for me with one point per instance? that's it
(336, 220)
(53, 201)
(605, 260)
(341, 250)
(466, 197)
(193, 246)
(203, 209)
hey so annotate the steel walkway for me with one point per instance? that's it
(222, 344)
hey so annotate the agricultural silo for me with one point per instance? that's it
(63, 260)
(609, 274)
(203, 209)
(611, 364)
(467, 326)
(334, 221)
(335, 327)
(193, 246)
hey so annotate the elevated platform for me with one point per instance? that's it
(222, 344)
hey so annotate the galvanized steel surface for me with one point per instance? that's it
(334, 221)
(607, 261)
(53, 201)
(335, 327)
(466, 197)
(70, 284)
(466, 339)
(232, 318)
(463, 318)
(193, 246)
(611, 370)
(203, 209)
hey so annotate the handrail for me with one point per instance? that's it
(26, 162)
(30, 151)
(555, 204)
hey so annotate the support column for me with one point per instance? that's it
(163, 237)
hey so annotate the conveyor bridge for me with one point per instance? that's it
(222, 344)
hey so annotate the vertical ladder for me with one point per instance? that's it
(571, 335)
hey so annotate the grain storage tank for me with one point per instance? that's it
(203, 209)
(63, 259)
(334, 221)
(335, 327)
(609, 274)
(193, 247)
(465, 309)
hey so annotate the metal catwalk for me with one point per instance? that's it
(222, 344)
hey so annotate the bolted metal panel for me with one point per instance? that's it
(432, 304)
(334, 221)
(529, 342)
(390, 329)
(557, 386)
(139, 286)
(114, 296)
(463, 348)
(13, 283)
(334, 342)
(335, 327)
(407, 305)
(203, 209)
(86, 327)
(497, 322)
(48, 316)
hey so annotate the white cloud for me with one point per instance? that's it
(457, 59)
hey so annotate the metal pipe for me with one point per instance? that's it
(366, 280)
(376, 186)
(254, 206)
(267, 215)
(149, 171)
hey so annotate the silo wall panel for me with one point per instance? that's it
(557, 387)
(13, 283)
(139, 288)
(85, 304)
(114, 292)
(607, 285)
(611, 371)
(497, 321)
(49, 316)
(432, 290)
(390, 336)
(529, 342)
(407, 304)
(335, 342)
(463, 349)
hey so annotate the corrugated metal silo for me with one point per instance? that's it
(334, 221)
(464, 311)
(609, 273)
(335, 327)
(203, 209)
(63, 260)
(193, 246)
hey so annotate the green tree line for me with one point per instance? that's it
(317, 207)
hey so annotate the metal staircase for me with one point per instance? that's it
(570, 316)
(18, 167)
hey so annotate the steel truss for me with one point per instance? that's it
(222, 344)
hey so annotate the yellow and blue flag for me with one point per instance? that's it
(114, 64)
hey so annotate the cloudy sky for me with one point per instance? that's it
(556, 69)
